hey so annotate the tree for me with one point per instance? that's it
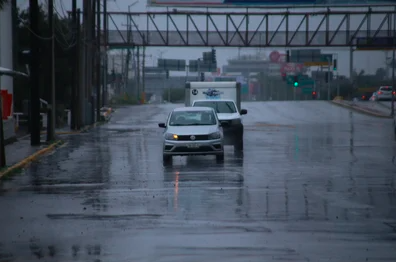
(63, 64)
(2, 3)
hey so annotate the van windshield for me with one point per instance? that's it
(226, 107)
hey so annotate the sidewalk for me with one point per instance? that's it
(21, 149)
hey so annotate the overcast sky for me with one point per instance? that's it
(369, 61)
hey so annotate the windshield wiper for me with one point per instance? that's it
(195, 124)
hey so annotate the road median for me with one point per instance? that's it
(7, 171)
(361, 109)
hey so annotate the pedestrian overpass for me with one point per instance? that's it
(363, 28)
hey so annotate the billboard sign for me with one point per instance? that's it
(263, 3)
(287, 68)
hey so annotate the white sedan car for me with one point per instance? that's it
(385, 93)
(192, 131)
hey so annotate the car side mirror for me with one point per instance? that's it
(224, 124)
(243, 112)
(162, 125)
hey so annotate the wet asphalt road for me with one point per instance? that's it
(315, 183)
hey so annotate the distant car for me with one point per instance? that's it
(374, 97)
(192, 131)
(385, 93)
(366, 96)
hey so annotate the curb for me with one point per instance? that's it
(64, 133)
(361, 110)
(83, 130)
(9, 170)
(87, 128)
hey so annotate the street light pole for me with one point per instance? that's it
(393, 68)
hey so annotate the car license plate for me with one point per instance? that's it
(193, 146)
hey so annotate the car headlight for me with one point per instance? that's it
(169, 136)
(215, 135)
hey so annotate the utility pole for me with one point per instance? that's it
(74, 92)
(93, 57)
(138, 72)
(143, 76)
(51, 113)
(105, 70)
(86, 65)
(34, 74)
(328, 78)
(393, 69)
(79, 88)
(98, 58)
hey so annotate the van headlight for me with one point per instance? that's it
(169, 136)
(215, 135)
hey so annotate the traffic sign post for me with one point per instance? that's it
(302, 81)
(198, 65)
(149, 70)
(306, 90)
(310, 57)
(172, 64)
(322, 61)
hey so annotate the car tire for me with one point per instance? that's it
(220, 157)
(166, 159)
(238, 146)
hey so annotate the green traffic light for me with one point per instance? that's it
(295, 83)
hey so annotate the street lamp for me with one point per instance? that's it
(6, 72)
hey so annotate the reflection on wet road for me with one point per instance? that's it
(315, 183)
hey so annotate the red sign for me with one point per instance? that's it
(7, 103)
(291, 68)
(274, 56)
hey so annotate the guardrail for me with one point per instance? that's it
(44, 117)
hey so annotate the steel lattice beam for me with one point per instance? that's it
(248, 29)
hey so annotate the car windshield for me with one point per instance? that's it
(386, 88)
(218, 106)
(192, 118)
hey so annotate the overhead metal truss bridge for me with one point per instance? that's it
(175, 28)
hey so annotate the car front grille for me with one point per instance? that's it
(197, 138)
(192, 150)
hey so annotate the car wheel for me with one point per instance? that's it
(220, 157)
(166, 158)
(238, 146)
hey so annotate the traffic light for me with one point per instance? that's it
(295, 82)
(313, 94)
(335, 65)
(207, 57)
(214, 56)
(287, 56)
(202, 76)
(167, 74)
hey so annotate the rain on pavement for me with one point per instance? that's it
(315, 183)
